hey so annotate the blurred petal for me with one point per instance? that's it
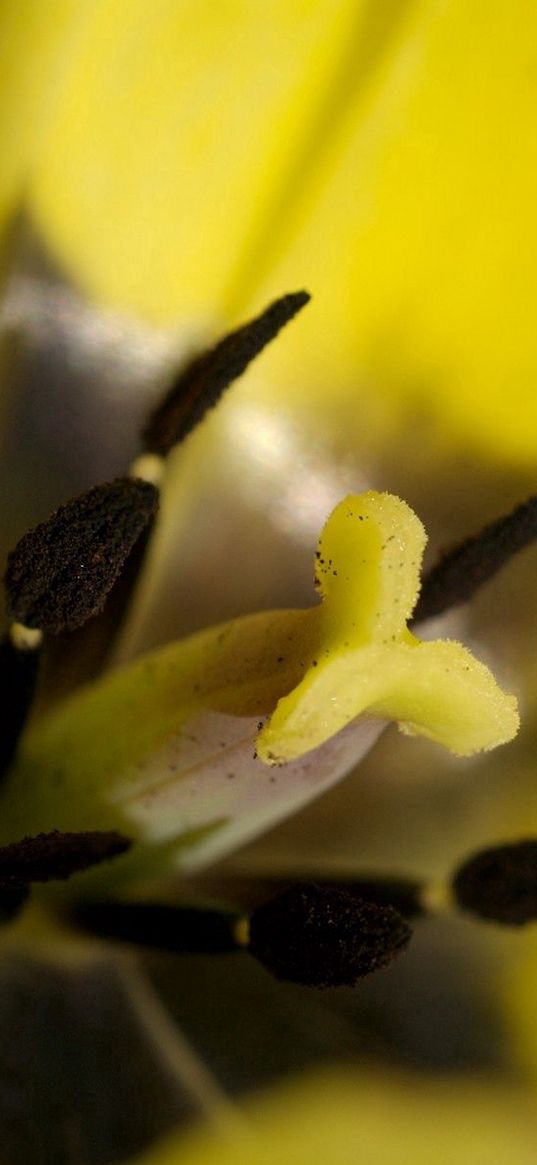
(518, 1000)
(205, 155)
(179, 125)
(418, 235)
(346, 1118)
(76, 1057)
(34, 46)
(164, 749)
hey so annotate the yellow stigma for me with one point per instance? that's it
(368, 565)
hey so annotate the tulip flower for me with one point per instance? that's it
(177, 170)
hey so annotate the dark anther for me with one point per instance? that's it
(199, 386)
(161, 926)
(57, 855)
(464, 570)
(325, 937)
(18, 675)
(60, 573)
(500, 883)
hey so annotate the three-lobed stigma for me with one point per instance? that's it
(59, 576)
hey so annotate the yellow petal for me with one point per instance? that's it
(418, 235)
(209, 154)
(178, 127)
(517, 989)
(346, 1118)
(34, 45)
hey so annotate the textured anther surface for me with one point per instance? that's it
(324, 937)
(48, 856)
(57, 855)
(60, 573)
(199, 386)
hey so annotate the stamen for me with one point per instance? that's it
(50, 856)
(500, 883)
(457, 577)
(60, 573)
(200, 385)
(314, 935)
(323, 937)
(197, 389)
